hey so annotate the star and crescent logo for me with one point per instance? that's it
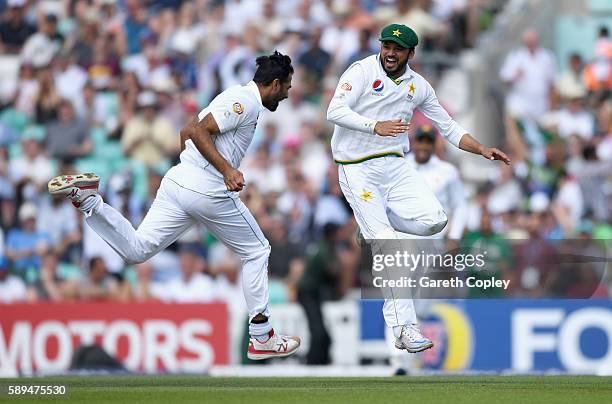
(411, 88)
(397, 33)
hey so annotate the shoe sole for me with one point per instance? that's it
(61, 183)
(259, 357)
(415, 350)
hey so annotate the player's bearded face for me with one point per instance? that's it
(279, 92)
(393, 57)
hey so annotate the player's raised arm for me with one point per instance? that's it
(453, 132)
(201, 133)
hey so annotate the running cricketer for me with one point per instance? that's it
(204, 188)
(371, 110)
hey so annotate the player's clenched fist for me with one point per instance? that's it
(393, 127)
(234, 180)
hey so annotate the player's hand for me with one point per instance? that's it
(491, 153)
(393, 127)
(234, 180)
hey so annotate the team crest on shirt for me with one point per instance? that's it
(346, 87)
(238, 108)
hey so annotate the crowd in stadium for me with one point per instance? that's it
(106, 86)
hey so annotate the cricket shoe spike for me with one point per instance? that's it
(76, 187)
(277, 346)
(412, 340)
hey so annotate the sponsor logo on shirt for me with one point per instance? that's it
(346, 87)
(378, 85)
(238, 108)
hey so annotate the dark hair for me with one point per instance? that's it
(269, 68)
(94, 261)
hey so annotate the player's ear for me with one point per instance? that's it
(411, 53)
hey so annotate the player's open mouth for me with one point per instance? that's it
(390, 62)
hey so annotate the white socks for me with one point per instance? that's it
(397, 330)
(89, 203)
(260, 331)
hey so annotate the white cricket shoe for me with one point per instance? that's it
(412, 340)
(76, 187)
(277, 346)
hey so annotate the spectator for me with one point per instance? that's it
(14, 28)
(48, 99)
(499, 256)
(193, 286)
(12, 288)
(148, 137)
(413, 13)
(27, 90)
(568, 205)
(598, 74)
(68, 137)
(315, 62)
(529, 72)
(573, 119)
(571, 79)
(25, 245)
(50, 286)
(316, 285)
(506, 193)
(594, 176)
(141, 291)
(284, 262)
(33, 166)
(98, 284)
(57, 219)
(70, 78)
(365, 48)
(41, 47)
(135, 25)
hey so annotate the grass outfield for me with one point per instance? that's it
(226, 390)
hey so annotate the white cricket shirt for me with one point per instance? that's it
(236, 111)
(365, 95)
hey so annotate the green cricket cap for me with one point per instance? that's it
(400, 34)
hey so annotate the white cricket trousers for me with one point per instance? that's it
(388, 198)
(177, 207)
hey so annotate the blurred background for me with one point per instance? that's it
(106, 86)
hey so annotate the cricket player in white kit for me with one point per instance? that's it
(203, 188)
(371, 108)
(444, 181)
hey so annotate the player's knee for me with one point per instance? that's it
(261, 252)
(136, 257)
(436, 224)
